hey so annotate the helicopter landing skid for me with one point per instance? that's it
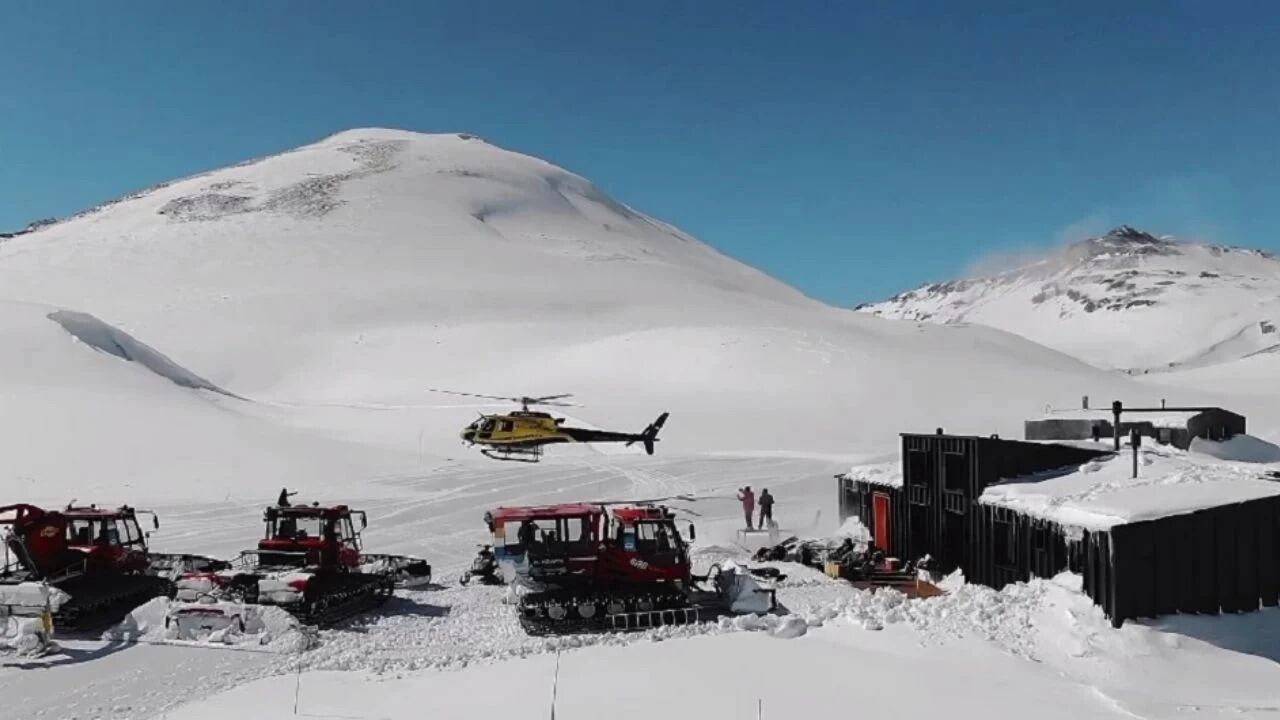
(524, 455)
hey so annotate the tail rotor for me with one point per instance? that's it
(650, 434)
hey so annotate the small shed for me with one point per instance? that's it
(1175, 426)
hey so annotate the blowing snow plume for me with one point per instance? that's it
(114, 341)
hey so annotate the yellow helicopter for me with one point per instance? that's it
(521, 434)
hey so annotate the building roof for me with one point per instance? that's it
(886, 473)
(1103, 493)
(507, 514)
(1163, 418)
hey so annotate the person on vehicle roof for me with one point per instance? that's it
(766, 508)
(748, 500)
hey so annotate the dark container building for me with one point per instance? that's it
(1175, 426)
(1205, 560)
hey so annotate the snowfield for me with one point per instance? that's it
(197, 346)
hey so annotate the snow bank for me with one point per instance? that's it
(853, 529)
(24, 636)
(22, 627)
(743, 594)
(32, 596)
(265, 628)
(114, 341)
(779, 626)
(1240, 448)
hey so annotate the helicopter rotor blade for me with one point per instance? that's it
(549, 400)
(546, 399)
(475, 395)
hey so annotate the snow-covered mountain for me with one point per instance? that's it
(331, 285)
(1126, 300)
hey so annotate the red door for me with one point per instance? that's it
(880, 512)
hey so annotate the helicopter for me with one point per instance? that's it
(520, 435)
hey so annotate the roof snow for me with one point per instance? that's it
(1103, 493)
(888, 474)
(1166, 419)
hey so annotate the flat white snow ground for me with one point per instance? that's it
(458, 652)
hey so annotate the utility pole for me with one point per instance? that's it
(1116, 407)
(1135, 439)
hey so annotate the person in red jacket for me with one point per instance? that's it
(748, 500)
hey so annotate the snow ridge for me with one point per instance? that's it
(114, 341)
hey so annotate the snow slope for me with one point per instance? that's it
(1113, 300)
(334, 283)
(81, 422)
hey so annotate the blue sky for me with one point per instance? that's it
(852, 149)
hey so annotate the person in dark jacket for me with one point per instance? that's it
(283, 500)
(527, 534)
(766, 508)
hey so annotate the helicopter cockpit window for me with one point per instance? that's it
(505, 426)
(486, 426)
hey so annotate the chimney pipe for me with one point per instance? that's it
(1161, 403)
(939, 431)
(1084, 403)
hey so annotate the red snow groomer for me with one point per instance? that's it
(586, 567)
(309, 563)
(97, 556)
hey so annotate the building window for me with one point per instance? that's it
(955, 468)
(918, 467)
(1163, 436)
(1003, 543)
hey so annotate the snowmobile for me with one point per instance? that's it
(309, 564)
(484, 567)
(96, 556)
(584, 567)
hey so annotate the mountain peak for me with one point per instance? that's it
(373, 134)
(1109, 300)
(1124, 240)
(1128, 233)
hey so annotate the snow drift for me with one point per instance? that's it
(1241, 448)
(266, 628)
(113, 341)
(82, 423)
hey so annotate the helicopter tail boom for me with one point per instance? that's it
(650, 434)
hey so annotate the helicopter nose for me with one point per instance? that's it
(468, 435)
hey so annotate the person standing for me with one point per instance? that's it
(748, 500)
(766, 508)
